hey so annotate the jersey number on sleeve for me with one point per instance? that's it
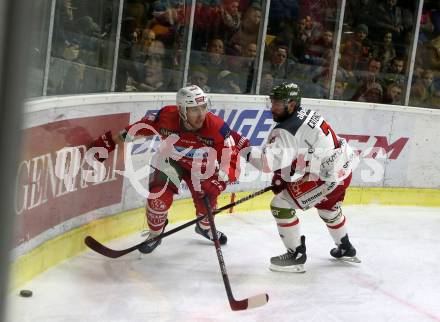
(327, 129)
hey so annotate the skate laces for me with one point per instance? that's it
(287, 255)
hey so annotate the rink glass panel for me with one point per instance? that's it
(374, 58)
(225, 40)
(83, 47)
(375, 51)
(425, 85)
(38, 29)
(300, 45)
(152, 46)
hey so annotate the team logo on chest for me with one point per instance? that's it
(206, 141)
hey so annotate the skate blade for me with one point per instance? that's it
(289, 269)
(347, 259)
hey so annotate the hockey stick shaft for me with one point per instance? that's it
(98, 247)
(235, 305)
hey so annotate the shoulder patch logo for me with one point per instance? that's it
(302, 113)
(225, 131)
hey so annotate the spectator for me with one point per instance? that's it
(357, 48)
(426, 26)
(432, 56)
(386, 51)
(244, 66)
(368, 78)
(320, 47)
(427, 81)
(225, 20)
(279, 65)
(312, 28)
(301, 42)
(395, 72)
(373, 72)
(214, 60)
(73, 82)
(339, 91)
(165, 22)
(373, 93)
(199, 77)
(250, 50)
(396, 66)
(266, 83)
(142, 40)
(250, 26)
(227, 83)
(393, 94)
(389, 17)
(418, 96)
(152, 77)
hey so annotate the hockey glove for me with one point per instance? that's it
(104, 141)
(212, 187)
(278, 183)
(241, 142)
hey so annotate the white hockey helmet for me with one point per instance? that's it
(191, 96)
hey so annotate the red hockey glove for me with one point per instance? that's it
(278, 183)
(104, 141)
(213, 187)
(241, 142)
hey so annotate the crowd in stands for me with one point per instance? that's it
(374, 50)
(373, 59)
(425, 90)
(82, 47)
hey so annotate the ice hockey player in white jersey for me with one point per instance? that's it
(312, 168)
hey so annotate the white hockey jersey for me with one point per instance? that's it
(305, 144)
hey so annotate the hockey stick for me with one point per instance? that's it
(248, 303)
(95, 245)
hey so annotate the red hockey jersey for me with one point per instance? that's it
(194, 148)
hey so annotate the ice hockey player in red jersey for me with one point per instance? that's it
(193, 139)
(312, 167)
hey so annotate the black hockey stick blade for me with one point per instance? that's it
(249, 303)
(95, 245)
(100, 248)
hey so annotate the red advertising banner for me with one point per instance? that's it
(43, 198)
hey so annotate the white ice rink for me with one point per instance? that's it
(398, 279)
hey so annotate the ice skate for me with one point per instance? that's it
(292, 261)
(208, 234)
(345, 251)
(146, 248)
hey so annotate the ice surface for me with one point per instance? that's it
(398, 279)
